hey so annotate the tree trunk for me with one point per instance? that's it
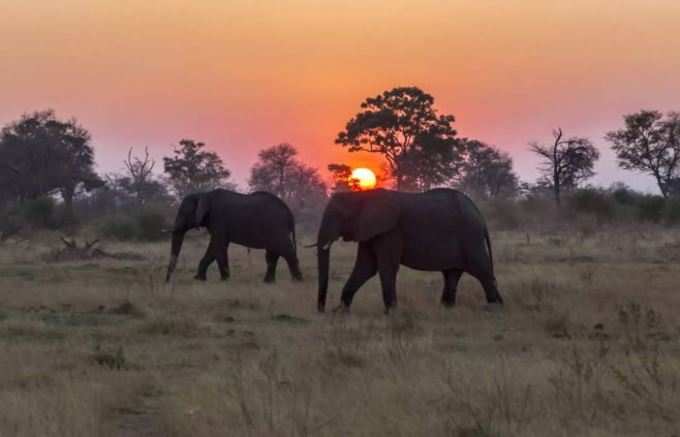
(67, 193)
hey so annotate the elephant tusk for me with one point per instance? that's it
(308, 246)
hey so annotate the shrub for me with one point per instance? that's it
(650, 208)
(118, 228)
(150, 225)
(502, 214)
(38, 212)
(671, 212)
(146, 225)
(593, 202)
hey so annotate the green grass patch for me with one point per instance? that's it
(287, 318)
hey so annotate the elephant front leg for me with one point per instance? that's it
(451, 278)
(365, 267)
(388, 250)
(208, 258)
(219, 246)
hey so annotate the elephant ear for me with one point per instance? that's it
(202, 209)
(380, 214)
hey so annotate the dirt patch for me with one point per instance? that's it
(72, 251)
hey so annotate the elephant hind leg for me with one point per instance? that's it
(294, 266)
(272, 259)
(479, 266)
(289, 254)
(451, 278)
(488, 282)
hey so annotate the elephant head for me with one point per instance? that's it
(354, 216)
(192, 213)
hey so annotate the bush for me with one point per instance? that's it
(147, 225)
(671, 212)
(38, 212)
(593, 202)
(150, 225)
(118, 228)
(502, 214)
(650, 208)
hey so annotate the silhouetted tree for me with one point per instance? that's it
(419, 144)
(342, 178)
(650, 143)
(138, 179)
(487, 172)
(193, 169)
(278, 171)
(42, 154)
(566, 162)
(272, 171)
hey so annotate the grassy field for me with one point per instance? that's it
(587, 344)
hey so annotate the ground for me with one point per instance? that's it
(587, 344)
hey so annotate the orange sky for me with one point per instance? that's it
(243, 75)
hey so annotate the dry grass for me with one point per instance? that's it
(586, 345)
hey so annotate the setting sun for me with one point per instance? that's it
(364, 177)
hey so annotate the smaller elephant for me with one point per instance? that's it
(438, 230)
(259, 220)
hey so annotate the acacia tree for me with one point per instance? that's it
(193, 169)
(566, 162)
(487, 172)
(42, 155)
(650, 143)
(419, 145)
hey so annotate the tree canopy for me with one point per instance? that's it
(41, 155)
(280, 172)
(650, 143)
(418, 143)
(487, 172)
(193, 169)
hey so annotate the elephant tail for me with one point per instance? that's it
(488, 248)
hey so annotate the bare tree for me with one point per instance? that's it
(566, 162)
(140, 173)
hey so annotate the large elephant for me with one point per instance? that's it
(259, 220)
(438, 230)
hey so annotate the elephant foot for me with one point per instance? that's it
(448, 303)
(269, 279)
(200, 277)
(225, 277)
(390, 309)
(493, 307)
(341, 309)
(297, 277)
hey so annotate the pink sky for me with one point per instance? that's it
(244, 75)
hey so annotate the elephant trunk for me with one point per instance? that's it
(328, 233)
(177, 240)
(323, 259)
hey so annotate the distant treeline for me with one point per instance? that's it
(48, 177)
